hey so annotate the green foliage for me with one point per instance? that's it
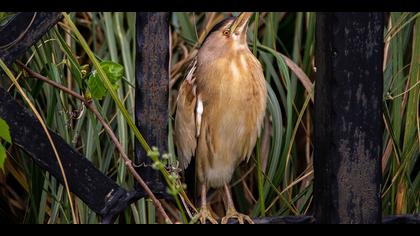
(2, 156)
(401, 182)
(113, 70)
(5, 17)
(4, 131)
(4, 135)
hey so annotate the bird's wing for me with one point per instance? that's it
(185, 119)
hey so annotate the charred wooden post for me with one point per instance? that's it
(25, 29)
(98, 191)
(152, 91)
(348, 117)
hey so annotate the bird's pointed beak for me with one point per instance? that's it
(241, 22)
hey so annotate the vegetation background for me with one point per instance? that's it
(278, 178)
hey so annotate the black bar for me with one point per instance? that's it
(152, 84)
(94, 188)
(24, 30)
(348, 117)
(302, 219)
(401, 219)
(280, 220)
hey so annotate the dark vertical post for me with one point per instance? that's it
(348, 117)
(152, 84)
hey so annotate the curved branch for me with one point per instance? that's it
(89, 105)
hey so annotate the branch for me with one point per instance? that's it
(89, 105)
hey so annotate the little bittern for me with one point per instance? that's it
(220, 108)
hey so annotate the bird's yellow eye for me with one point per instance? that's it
(226, 32)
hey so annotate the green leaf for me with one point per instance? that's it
(2, 156)
(113, 70)
(4, 135)
(4, 131)
(97, 89)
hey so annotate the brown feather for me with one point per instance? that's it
(185, 127)
(230, 83)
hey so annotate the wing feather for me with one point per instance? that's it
(185, 119)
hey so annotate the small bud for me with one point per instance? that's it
(157, 165)
(84, 70)
(87, 95)
(171, 178)
(165, 156)
(154, 153)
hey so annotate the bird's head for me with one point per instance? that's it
(227, 35)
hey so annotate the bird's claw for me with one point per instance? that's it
(232, 213)
(204, 215)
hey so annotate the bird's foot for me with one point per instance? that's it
(204, 215)
(232, 213)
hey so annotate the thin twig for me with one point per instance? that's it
(89, 105)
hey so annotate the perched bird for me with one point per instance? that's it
(220, 109)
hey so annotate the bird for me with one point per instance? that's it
(220, 108)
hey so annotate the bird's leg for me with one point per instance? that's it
(204, 213)
(231, 211)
